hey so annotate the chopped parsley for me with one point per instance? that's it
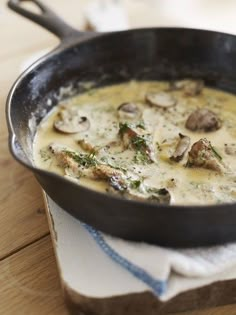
(142, 158)
(139, 142)
(219, 157)
(141, 146)
(141, 125)
(135, 184)
(85, 160)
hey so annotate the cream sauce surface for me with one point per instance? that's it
(194, 185)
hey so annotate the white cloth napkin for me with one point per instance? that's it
(106, 15)
(166, 271)
(100, 265)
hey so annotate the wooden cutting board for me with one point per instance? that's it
(95, 285)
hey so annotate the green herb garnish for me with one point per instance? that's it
(219, 157)
(139, 142)
(135, 184)
(141, 125)
(142, 158)
(86, 160)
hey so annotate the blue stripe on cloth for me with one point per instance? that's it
(157, 286)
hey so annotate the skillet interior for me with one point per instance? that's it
(163, 54)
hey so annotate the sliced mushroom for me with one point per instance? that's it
(161, 99)
(69, 121)
(181, 148)
(230, 149)
(203, 154)
(190, 87)
(129, 111)
(203, 120)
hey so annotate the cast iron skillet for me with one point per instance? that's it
(154, 53)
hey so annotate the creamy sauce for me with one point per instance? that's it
(186, 185)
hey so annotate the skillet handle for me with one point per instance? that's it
(47, 19)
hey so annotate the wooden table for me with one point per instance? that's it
(29, 282)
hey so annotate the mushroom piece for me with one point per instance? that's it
(159, 195)
(129, 111)
(203, 120)
(161, 99)
(190, 87)
(230, 149)
(69, 121)
(181, 148)
(203, 154)
(154, 195)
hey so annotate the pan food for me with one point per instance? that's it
(148, 153)
(152, 141)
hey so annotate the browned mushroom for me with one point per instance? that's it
(203, 120)
(190, 87)
(161, 99)
(69, 121)
(129, 111)
(203, 154)
(181, 148)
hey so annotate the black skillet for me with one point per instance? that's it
(154, 53)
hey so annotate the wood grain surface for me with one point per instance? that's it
(29, 283)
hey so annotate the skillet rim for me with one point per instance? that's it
(67, 44)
